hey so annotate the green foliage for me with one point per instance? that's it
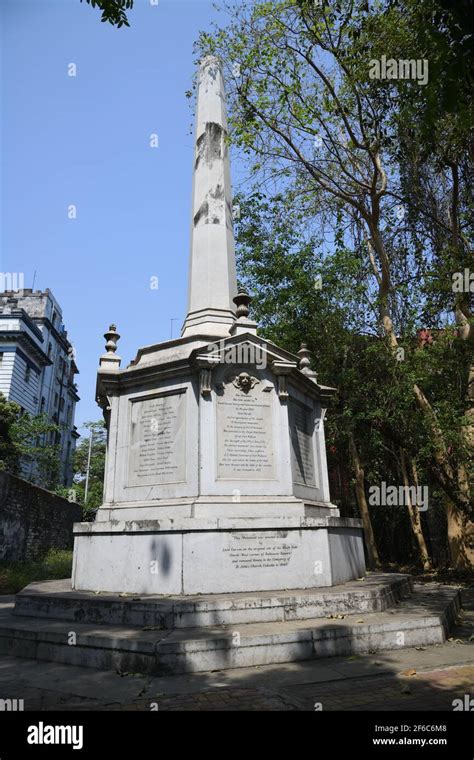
(14, 576)
(26, 440)
(280, 262)
(113, 11)
(97, 466)
(9, 413)
(373, 181)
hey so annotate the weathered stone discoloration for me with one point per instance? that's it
(212, 278)
(212, 210)
(210, 145)
(423, 619)
(55, 599)
(33, 520)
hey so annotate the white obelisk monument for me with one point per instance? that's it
(216, 477)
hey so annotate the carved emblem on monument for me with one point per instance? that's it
(244, 382)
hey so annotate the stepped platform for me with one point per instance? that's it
(171, 635)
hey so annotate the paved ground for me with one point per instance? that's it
(427, 679)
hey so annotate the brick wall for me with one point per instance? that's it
(33, 520)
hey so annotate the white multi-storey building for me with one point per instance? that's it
(37, 367)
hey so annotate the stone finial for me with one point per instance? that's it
(242, 323)
(242, 300)
(304, 364)
(112, 337)
(109, 358)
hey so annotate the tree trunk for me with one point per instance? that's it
(460, 545)
(460, 538)
(372, 553)
(414, 516)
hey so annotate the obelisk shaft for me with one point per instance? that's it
(212, 277)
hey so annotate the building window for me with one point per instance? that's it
(43, 402)
(27, 374)
(1, 358)
(50, 348)
(56, 400)
(61, 404)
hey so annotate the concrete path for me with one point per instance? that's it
(410, 679)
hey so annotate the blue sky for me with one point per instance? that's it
(84, 140)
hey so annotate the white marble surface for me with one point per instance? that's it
(212, 275)
(193, 556)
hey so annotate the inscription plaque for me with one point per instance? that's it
(158, 440)
(302, 449)
(259, 550)
(244, 435)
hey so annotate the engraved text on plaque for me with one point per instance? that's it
(157, 440)
(302, 451)
(244, 435)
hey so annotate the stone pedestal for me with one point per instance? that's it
(216, 476)
(205, 556)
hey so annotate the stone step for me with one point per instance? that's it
(422, 620)
(55, 599)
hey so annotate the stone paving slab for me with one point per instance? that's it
(432, 690)
(366, 682)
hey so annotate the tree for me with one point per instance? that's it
(9, 412)
(302, 293)
(113, 11)
(96, 442)
(304, 107)
(27, 440)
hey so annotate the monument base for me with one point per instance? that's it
(216, 555)
(166, 635)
